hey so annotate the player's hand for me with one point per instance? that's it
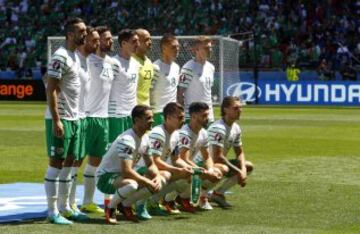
(242, 179)
(186, 171)
(58, 129)
(156, 187)
(212, 174)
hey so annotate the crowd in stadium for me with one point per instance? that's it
(320, 35)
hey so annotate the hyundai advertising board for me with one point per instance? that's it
(273, 92)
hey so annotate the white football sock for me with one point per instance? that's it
(72, 197)
(64, 189)
(122, 193)
(227, 184)
(139, 195)
(89, 184)
(51, 189)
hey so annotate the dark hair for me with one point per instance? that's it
(125, 35)
(102, 29)
(70, 23)
(171, 108)
(166, 39)
(90, 29)
(227, 101)
(197, 107)
(139, 111)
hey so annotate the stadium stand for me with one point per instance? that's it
(303, 31)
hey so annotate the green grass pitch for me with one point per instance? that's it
(306, 178)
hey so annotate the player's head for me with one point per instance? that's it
(231, 108)
(106, 40)
(202, 48)
(169, 46)
(142, 117)
(199, 113)
(92, 41)
(145, 41)
(174, 115)
(75, 31)
(128, 40)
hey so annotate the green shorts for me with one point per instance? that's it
(158, 119)
(118, 126)
(60, 148)
(97, 136)
(105, 183)
(234, 162)
(82, 139)
(142, 170)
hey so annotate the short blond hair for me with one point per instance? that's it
(202, 40)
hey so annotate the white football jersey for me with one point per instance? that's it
(224, 136)
(127, 146)
(65, 66)
(102, 72)
(164, 85)
(162, 144)
(194, 142)
(85, 83)
(123, 90)
(197, 80)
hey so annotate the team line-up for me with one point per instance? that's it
(105, 107)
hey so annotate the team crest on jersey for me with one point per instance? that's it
(156, 144)
(59, 150)
(218, 137)
(56, 65)
(185, 141)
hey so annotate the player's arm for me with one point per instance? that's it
(209, 164)
(240, 156)
(152, 169)
(180, 95)
(52, 97)
(219, 157)
(184, 82)
(185, 155)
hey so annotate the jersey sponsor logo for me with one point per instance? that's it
(156, 144)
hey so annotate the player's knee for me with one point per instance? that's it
(249, 167)
(132, 184)
(166, 175)
(223, 169)
(57, 163)
(94, 161)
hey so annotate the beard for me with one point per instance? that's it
(106, 48)
(79, 41)
(205, 124)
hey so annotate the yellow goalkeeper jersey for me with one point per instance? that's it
(146, 73)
